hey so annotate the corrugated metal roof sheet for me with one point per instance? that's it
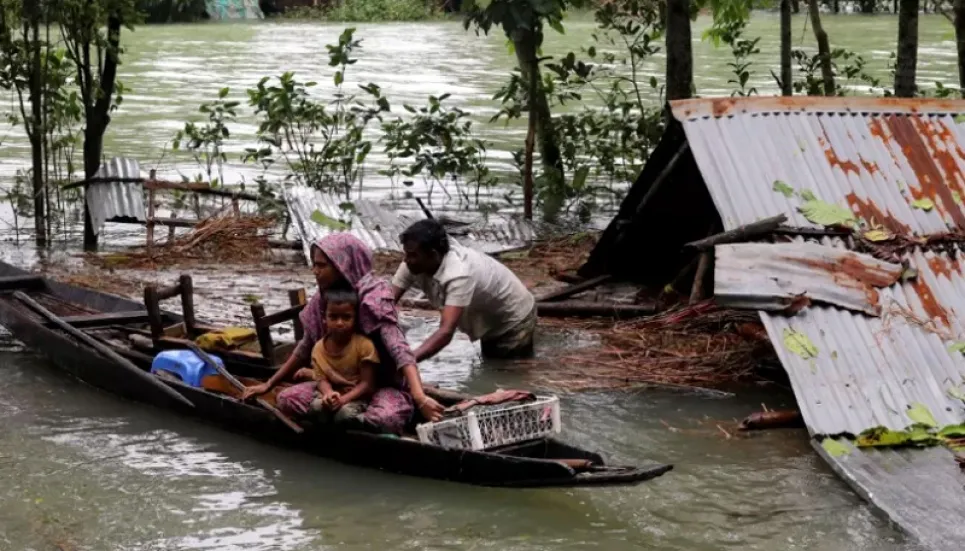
(116, 192)
(877, 156)
(918, 489)
(763, 276)
(379, 228)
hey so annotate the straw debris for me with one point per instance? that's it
(695, 347)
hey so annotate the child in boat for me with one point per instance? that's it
(343, 362)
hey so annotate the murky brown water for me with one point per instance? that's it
(84, 470)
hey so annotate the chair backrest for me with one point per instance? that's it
(264, 322)
(152, 302)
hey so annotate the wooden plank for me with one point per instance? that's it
(571, 290)
(288, 314)
(743, 233)
(101, 349)
(209, 361)
(578, 309)
(112, 318)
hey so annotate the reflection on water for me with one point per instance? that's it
(98, 472)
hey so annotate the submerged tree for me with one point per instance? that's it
(91, 31)
(907, 62)
(959, 23)
(524, 21)
(680, 57)
(787, 87)
(824, 48)
(22, 70)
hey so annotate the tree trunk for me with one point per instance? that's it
(98, 117)
(786, 84)
(526, 44)
(868, 6)
(907, 61)
(36, 129)
(796, 6)
(824, 49)
(837, 6)
(680, 59)
(960, 42)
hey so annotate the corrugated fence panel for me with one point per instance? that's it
(117, 193)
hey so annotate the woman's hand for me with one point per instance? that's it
(430, 409)
(304, 374)
(255, 391)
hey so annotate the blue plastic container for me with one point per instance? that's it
(185, 364)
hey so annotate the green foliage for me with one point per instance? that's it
(437, 144)
(323, 144)
(732, 34)
(515, 15)
(367, 11)
(602, 147)
(849, 70)
(206, 142)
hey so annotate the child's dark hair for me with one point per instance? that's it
(341, 296)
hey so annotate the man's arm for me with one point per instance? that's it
(458, 297)
(442, 336)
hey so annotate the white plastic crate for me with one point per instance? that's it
(484, 427)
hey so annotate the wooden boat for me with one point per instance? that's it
(77, 330)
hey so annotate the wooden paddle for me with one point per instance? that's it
(101, 348)
(240, 386)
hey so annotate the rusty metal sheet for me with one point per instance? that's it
(379, 227)
(764, 276)
(895, 163)
(869, 371)
(116, 193)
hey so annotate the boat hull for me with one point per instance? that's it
(530, 464)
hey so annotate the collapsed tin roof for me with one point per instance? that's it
(880, 335)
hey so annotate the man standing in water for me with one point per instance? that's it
(476, 294)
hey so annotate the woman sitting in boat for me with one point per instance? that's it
(342, 261)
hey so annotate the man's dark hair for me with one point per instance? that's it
(428, 234)
(341, 296)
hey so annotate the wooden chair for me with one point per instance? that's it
(264, 323)
(152, 302)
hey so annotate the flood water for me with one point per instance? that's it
(84, 470)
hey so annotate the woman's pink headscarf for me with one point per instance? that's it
(353, 259)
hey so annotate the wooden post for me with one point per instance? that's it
(703, 266)
(235, 207)
(152, 305)
(264, 333)
(187, 304)
(296, 297)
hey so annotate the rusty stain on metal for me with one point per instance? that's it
(870, 166)
(723, 106)
(941, 266)
(870, 212)
(850, 268)
(928, 302)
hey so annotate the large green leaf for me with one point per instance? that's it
(800, 344)
(835, 448)
(826, 214)
(920, 415)
(327, 221)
